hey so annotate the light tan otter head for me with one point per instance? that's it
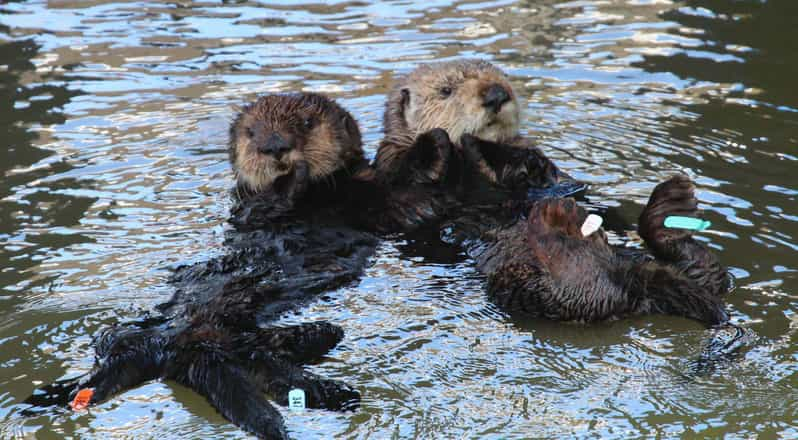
(270, 136)
(462, 97)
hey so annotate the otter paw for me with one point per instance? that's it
(431, 154)
(674, 197)
(562, 216)
(437, 137)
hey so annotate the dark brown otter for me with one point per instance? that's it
(543, 266)
(440, 111)
(299, 168)
(295, 151)
(275, 135)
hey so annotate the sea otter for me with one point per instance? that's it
(429, 113)
(299, 170)
(544, 266)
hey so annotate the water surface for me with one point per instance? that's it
(114, 118)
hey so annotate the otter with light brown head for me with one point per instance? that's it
(466, 109)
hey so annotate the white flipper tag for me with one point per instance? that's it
(296, 400)
(592, 224)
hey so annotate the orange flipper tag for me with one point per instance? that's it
(82, 399)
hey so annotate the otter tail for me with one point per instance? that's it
(228, 388)
(726, 344)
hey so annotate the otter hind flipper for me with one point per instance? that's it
(277, 378)
(125, 360)
(676, 197)
(58, 393)
(298, 344)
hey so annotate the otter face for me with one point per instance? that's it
(462, 97)
(270, 136)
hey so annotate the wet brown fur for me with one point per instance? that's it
(543, 266)
(321, 133)
(415, 105)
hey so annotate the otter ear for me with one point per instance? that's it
(350, 125)
(405, 99)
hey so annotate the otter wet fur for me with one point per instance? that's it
(456, 123)
(299, 170)
(543, 266)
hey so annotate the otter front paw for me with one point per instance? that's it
(429, 158)
(674, 197)
(298, 181)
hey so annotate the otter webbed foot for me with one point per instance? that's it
(297, 344)
(561, 216)
(274, 358)
(126, 357)
(277, 377)
(674, 197)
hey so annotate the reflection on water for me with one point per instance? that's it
(114, 116)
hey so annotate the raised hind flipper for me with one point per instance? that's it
(229, 388)
(676, 197)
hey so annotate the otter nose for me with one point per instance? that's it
(495, 97)
(274, 145)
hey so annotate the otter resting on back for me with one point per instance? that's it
(544, 266)
(297, 158)
(454, 125)
(296, 154)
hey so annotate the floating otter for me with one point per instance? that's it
(544, 266)
(295, 151)
(299, 168)
(436, 107)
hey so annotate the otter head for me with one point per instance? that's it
(462, 97)
(275, 133)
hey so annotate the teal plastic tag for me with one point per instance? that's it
(691, 223)
(296, 399)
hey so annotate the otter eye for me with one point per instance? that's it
(446, 91)
(250, 133)
(308, 123)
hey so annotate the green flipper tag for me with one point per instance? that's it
(691, 223)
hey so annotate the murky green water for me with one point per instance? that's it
(114, 118)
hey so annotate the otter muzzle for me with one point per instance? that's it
(275, 145)
(495, 96)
